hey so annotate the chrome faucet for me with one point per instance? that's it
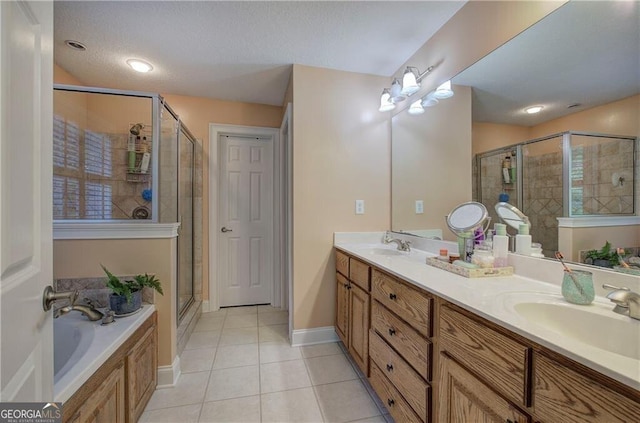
(402, 245)
(626, 301)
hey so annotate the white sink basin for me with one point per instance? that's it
(385, 252)
(595, 325)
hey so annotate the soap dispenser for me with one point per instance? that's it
(523, 240)
(500, 245)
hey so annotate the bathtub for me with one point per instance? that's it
(81, 346)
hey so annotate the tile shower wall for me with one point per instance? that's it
(606, 181)
(542, 197)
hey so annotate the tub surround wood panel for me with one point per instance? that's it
(475, 369)
(120, 389)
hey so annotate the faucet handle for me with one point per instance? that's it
(49, 296)
(92, 304)
(607, 286)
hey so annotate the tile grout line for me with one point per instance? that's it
(215, 354)
(313, 388)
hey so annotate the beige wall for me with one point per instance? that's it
(82, 259)
(489, 136)
(620, 117)
(340, 154)
(430, 158)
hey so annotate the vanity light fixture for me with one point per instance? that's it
(416, 108)
(385, 101)
(399, 91)
(139, 65)
(533, 109)
(443, 91)
(412, 78)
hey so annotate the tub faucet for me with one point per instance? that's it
(91, 313)
(626, 301)
(402, 245)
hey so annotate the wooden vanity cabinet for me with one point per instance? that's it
(464, 398)
(562, 394)
(119, 390)
(107, 403)
(433, 361)
(142, 374)
(353, 305)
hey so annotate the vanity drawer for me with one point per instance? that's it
(412, 304)
(502, 361)
(360, 274)
(399, 409)
(342, 263)
(410, 385)
(415, 349)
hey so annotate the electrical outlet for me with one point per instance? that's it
(419, 207)
(359, 206)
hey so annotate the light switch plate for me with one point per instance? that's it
(419, 207)
(359, 206)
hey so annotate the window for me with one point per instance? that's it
(577, 181)
(82, 189)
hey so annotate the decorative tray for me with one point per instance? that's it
(470, 273)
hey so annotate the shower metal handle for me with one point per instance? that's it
(225, 230)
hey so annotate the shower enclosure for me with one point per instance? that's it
(570, 174)
(124, 156)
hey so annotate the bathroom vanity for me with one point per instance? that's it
(444, 348)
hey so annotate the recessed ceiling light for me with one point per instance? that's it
(139, 65)
(75, 45)
(533, 109)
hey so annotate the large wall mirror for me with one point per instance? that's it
(581, 63)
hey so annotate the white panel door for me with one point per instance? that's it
(245, 261)
(26, 119)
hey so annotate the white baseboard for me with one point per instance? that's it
(302, 337)
(205, 306)
(168, 375)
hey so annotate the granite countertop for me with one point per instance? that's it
(495, 299)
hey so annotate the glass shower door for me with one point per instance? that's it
(186, 166)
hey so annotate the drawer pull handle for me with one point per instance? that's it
(392, 331)
(389, 367)
(348, 286)
(390, 402)
(510, 421)
(392, 296)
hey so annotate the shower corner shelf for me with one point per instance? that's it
(138, 177)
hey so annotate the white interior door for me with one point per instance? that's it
(245, 261)
(26, 119)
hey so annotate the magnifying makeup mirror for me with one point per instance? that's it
(511, 215)
(467, 217)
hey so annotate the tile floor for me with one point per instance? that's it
(238, 367)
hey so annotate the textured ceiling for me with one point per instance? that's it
(585, 52)
(239, 50)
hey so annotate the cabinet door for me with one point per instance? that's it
(342, 308)
(463, 398)
(141, 374)
(563, 395)
(359, 327)
(107, 403)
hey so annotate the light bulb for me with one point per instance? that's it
(533, 109)
(409, 83)
(139, 65)
(385, 101)
(416, 108)
(443, 91)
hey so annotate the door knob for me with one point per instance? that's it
(224, 230)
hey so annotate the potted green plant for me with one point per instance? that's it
(127, 294)
(604, 257)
